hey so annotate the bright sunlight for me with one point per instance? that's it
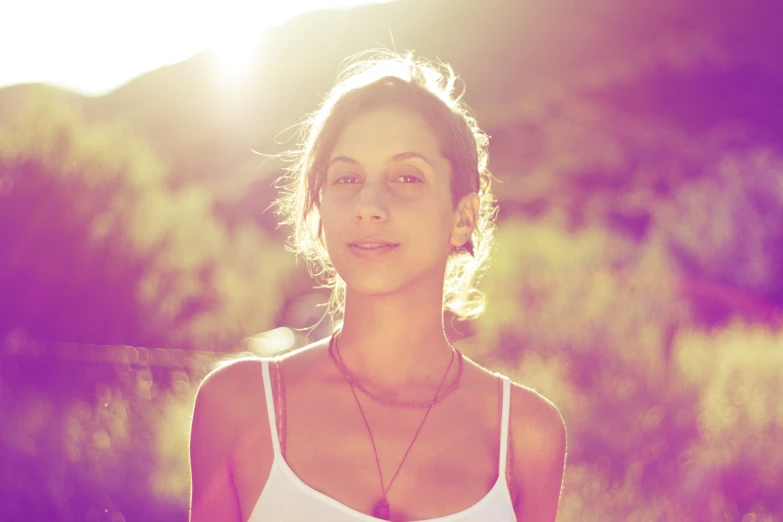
(240, 25)
(102, 45)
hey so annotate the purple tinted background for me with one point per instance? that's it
(638, 278)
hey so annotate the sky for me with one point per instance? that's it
(94, 46)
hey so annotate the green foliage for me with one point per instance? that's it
(736, 463)
(583, 282)
(100, 250)
(663, 423)
(726, 224)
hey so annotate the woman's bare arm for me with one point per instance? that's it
(217, 423)
(539, 452)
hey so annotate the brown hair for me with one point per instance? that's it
(428, 89)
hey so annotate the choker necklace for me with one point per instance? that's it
(338, 361)
(381, 509)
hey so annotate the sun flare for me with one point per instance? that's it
(233, 54)
(239, 27)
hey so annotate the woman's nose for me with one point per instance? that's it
(370, 203)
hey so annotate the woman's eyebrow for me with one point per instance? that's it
(343, 159)
(409, 155)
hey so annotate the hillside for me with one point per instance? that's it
(513, 56)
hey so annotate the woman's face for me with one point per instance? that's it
(387, 183)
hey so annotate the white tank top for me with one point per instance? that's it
(286, 498)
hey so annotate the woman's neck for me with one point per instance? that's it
(393, 342)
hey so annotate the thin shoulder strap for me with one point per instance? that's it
(270, 406)
(505, 408)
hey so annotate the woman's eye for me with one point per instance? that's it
(346, 180)
(408, 178)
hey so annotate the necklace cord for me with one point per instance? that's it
(384, 489)
(406, 404)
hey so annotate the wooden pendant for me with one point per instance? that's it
(381, 510)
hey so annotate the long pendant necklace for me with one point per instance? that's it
(381, 509)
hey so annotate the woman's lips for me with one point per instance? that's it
(369, 253)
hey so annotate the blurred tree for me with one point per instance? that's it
(735, 466)
(710, 188)
(664, 423)
(86, 440)
(96, 248)
(725, 227)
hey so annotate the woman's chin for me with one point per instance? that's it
(372, 286)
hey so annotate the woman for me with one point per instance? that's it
(390, 201)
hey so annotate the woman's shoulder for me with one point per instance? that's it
(229, 378)
(240, 381)
(227, 420)
(243, 374)
(535, 414)
(535, 421)
(527, 403)
(232, 395)
(538, 446)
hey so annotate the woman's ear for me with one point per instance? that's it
(465, 218)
